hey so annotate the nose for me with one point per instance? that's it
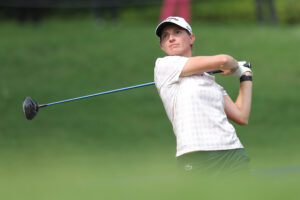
(171, 38)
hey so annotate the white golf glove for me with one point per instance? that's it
(241, 69)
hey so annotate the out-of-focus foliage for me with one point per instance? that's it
(229, 11)
(289, 11)
(224, 11)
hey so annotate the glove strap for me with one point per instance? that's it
(245, 78)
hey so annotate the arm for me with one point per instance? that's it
(239, 111)
(201, 64)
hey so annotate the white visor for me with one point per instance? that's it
(179, 21)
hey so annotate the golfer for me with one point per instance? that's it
(197, 106)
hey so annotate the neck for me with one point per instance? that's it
(187, 54)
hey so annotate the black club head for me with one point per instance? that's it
(30, 108)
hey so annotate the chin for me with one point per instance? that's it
(175, 53)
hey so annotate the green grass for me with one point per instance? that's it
(121, 145)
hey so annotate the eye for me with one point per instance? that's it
(178, 32)
(164, 36)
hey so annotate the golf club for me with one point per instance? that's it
(31, 107)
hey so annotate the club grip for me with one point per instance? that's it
(247, 64)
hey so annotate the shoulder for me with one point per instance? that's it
(170, 60)
(168, 69)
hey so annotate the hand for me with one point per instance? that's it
(241, 70)
(227, 71)
(230, 64)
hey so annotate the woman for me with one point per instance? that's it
(197, 106)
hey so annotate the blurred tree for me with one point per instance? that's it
(265, 11)
(106, 11)
(32, 12)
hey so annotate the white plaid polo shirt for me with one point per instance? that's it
(195, 107)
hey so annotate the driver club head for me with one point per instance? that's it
(30, 108)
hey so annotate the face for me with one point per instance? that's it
(176, 41)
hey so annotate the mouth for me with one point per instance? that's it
(173, 45)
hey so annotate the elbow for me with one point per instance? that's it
(243, 121)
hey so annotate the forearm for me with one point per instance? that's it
(201, 64)
(243, 101)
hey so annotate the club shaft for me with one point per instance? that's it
(97, 94)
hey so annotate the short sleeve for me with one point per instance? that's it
(168, 69)
(223, 91)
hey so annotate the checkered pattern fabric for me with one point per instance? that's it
(195, 107)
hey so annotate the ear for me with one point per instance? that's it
(192, 39)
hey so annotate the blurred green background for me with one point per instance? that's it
(121, 146)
